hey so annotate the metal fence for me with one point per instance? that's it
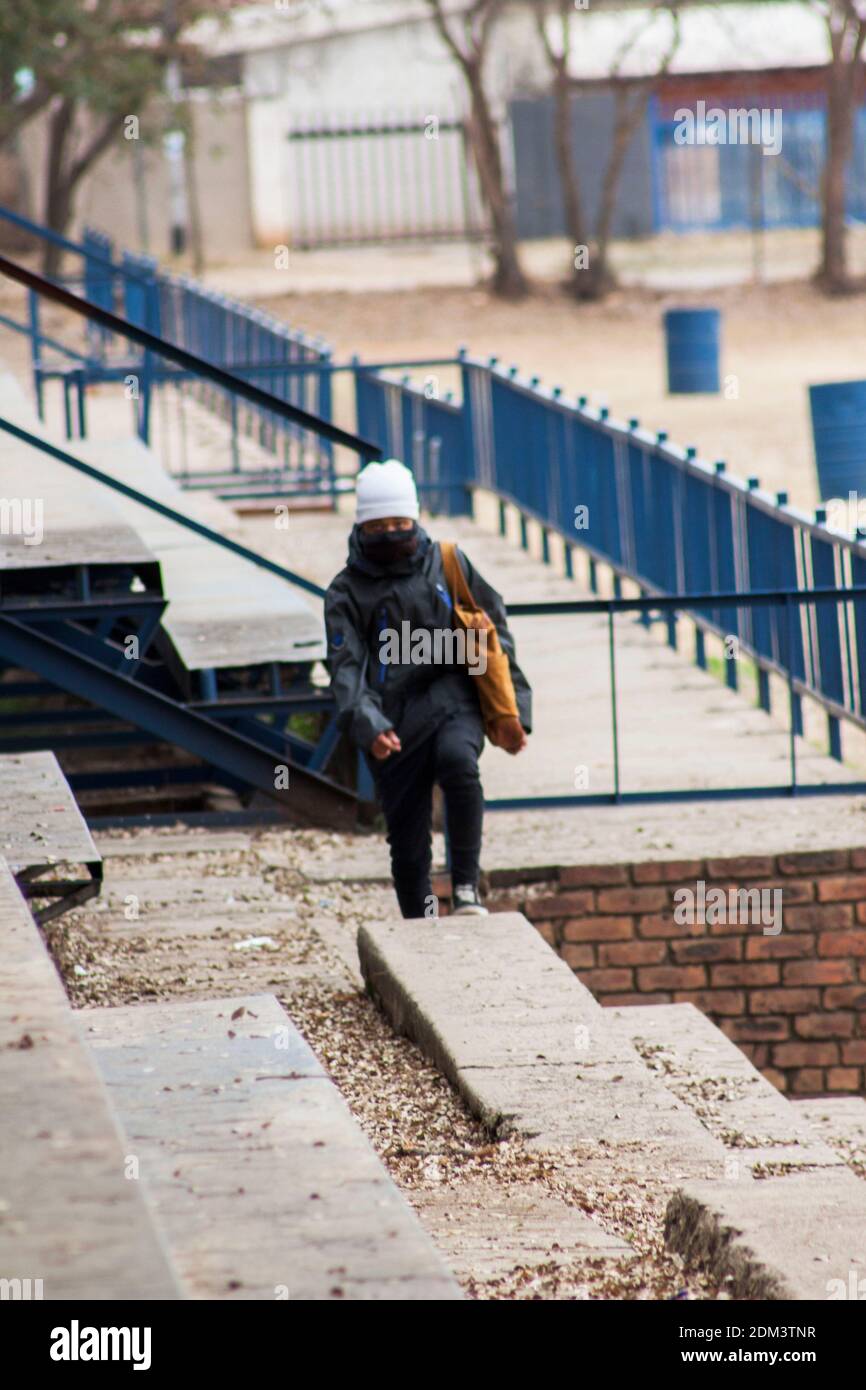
(254, 345)
(361, 181)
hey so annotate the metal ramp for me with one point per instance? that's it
(82, 612)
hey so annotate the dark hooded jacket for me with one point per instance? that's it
(373, 696)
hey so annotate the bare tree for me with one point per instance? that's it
(846, 24)
(594, 278)
(467, 37)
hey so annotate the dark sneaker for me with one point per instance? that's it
(467, 903)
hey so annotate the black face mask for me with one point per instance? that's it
(390, 546)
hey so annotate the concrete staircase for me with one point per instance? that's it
(168, 1151)
(757, 1197)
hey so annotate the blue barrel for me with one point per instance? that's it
(839, 433)
(692, 345)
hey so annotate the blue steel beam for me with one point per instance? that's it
(309, 796)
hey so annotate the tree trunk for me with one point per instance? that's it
(575, 224)
(833, 275)
(509, 280)
(58, 192)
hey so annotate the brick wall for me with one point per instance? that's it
(794, 1002)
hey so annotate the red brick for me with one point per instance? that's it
(757, 1053)
(794, 891)
(662, 924)
(502, 902)
(685, 871)
(826, 1025)
(766, 973)
(559, 905)
(817, 972)
(847, 888)
(652, 977)
(616, 1001)
(803, 1054)
(548, 931)
(808, 1081)
(607, 981)
(742, 868)
(633, 953)
(815, 918)
(858, 859)
(815, 861)
(714, 1001)
(578, 957)
(756, 1029)
(597, 929)
(843, 1079)
(860, 912)
(779, 947)
(684, 952)
(593, 875)
(854, 1053)
(842, 943)
(776, 1078)
(845, 997)
(783, 1001)
(632, 899)
(520, 878)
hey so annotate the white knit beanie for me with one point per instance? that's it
(385, 489)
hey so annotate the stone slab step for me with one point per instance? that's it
(702, 1067)
(524, 1042)
(837, 1117)
(503, 1018)
(69, 1214)
(791, 1217)
(264, 1184)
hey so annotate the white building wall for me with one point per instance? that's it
(394, 72)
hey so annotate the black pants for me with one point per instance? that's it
(405, 786)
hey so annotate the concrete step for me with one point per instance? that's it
(759, 1126)
(524, 1042)
(42, 831)
(69, 1213)
(533, 1053)
(264, 1184)
(841, 1122)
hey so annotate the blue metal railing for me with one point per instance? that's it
(210, 326)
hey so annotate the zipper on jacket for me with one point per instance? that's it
(383, 625)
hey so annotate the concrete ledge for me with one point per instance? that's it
(69, 1215)
(783, 1238)
(263, 1182)
(532, 1053)
(523, 1041)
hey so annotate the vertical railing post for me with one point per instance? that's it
(792, 742)
(614, 720)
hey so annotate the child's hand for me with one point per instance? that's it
(384, 745)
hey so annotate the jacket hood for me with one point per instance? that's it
(359, 561)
